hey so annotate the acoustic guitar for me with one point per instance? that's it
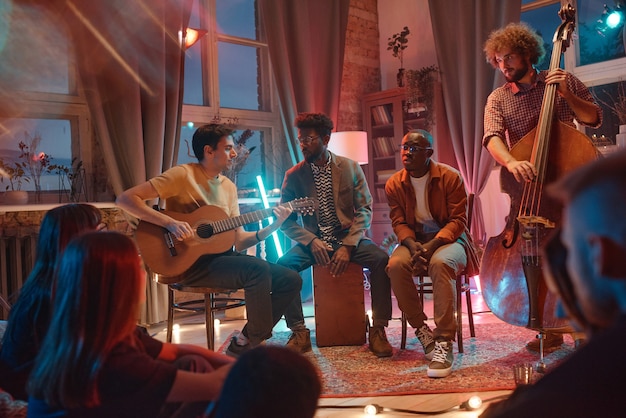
(214, 233)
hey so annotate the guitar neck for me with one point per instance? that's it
(245, 219)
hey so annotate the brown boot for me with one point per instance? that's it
(300, 340)
(551, 342)
(378, 342)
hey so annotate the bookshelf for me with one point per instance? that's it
(386, 120)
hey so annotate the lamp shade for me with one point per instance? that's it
(350, 144)
(193, 35)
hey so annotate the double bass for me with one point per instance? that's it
(511, 275)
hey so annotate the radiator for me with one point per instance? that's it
(17, 255)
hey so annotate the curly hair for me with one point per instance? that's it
(520, 38)
(318, 121)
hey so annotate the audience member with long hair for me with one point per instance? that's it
(94, 360)
(30, 315)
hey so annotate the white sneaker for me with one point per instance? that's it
(441, 364)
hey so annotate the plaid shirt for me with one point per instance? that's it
(513, 109)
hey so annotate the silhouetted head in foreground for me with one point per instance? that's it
(270, 381)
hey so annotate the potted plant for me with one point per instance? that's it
(15, 175)
(397, 43)
(29, 166)
(420, 91)
(618, 107)
(75, 176)
(35, 162)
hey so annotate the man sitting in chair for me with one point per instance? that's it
(269, 288)
(428, 211)
(335, 236)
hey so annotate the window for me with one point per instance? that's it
(23, 47)
(545, 20)
(248, 143)
(596, 55)
(600, 37)
(228, 80)
(40, 97)
(607, 95)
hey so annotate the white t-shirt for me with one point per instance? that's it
(422, 211)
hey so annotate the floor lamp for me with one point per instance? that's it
(350, 144)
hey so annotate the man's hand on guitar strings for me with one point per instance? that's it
(181, 230)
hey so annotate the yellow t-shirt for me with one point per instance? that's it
(186, 187)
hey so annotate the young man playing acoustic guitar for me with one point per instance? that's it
(269, 288)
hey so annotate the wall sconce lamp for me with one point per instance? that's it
(192, 36)
(350, 144)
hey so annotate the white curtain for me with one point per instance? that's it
(306, 40)
(460, 29)
(130, 60)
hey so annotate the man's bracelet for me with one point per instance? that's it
(256, 234)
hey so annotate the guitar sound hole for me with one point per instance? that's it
(205, 231)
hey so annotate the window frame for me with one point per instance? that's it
(268, 119)
(71, 106)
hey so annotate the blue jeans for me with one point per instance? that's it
(366, 254)
(269, 288)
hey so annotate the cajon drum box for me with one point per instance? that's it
(339, 306)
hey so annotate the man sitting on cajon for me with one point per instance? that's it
(335, 235)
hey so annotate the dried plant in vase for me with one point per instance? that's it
(14, 173)
(29, 165)
(618, 106)
(243, 152)
(75, 176)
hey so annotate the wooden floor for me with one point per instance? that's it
(191, 330)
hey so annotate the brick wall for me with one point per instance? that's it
(361, 66)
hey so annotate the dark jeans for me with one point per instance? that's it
(366, 254)
(269, 288)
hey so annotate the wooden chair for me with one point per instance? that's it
(462, 286)
(209, 304)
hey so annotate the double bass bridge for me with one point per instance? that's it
(531, 221)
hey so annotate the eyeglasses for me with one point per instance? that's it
(307, 139)
(413, 148)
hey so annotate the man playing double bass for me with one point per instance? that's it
(513, 109)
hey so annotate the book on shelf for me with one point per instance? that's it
(381, 115)
(384, 146)
(383, 175)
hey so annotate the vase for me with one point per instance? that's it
(400, 77)
(620, 138)
(15, 197)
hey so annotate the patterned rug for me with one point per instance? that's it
(486, 364)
